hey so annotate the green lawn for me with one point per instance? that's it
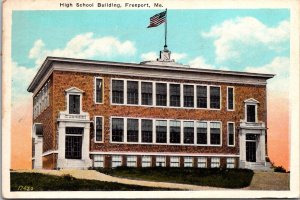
(226, 178)
(41, 182)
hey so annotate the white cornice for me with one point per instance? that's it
(156, 71)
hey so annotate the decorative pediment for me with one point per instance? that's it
(74, 90)
(251, 100)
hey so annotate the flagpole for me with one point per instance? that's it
(166, 28)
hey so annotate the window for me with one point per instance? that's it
(214, 97)
(215, 162)
(116, 161)
(175, 95)
(230, 163)
(146, 93)
(201, 132)
(74, 104)
(132, 130)
(175, 131)
(230, 99)
(147, 126)
(160, 161)
(131, 161)
(230, 132)
(117, 130)
(215, 133)
(161, 131)
(202, 162)
(161, 94)
(99, 90)
(98, 129)
(201, 96)
(188, 162)
(188, 93)
(73, 143)
(146, 161)
(132, 92)
(251, 113)
(118, 91)
(174, 161)
(98, 161)
(188, 131)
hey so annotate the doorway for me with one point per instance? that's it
(251, 146)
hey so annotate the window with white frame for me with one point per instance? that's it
(174, 95)
(133, 92)
(174, 161)
(230, 163)
(188, 162)
(99, 90)
(98, 129)
(117, 129)
(74, 104)
(188, 95)
(118, 91)
(201, 132)
(215, 162)
(175, 130)
(230, 98)
(202, 162)
(201, 96)
(131, 161)
(160, 161)
(146, 161)
(215, 133)
(132, 130)
(161, 94)
(161, 131)
(116, 161)
(147, 95)
(215, 97)
(230, 134)
(251, 113)
(98, 161)
(147, 130)
(188, 132)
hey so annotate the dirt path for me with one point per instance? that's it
(269, 181)
(260, 181)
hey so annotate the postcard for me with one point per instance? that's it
(160, 99)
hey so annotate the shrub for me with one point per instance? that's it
(279, 169)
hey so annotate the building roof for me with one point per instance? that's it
(91, 66)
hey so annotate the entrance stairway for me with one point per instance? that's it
(259, 166)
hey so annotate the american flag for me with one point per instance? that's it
(157, 19)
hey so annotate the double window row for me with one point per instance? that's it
(161, 131)
(41, 100)
(165, 131)
(131, 92)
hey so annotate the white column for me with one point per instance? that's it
(61, 140)
(242, 145)
(86, 142)
(38, 158)
(262, 142)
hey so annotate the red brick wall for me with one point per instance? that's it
(85, 82)
(48, 121)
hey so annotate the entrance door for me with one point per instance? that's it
(73, 143)
(250, 151)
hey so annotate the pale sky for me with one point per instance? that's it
(254, 40)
